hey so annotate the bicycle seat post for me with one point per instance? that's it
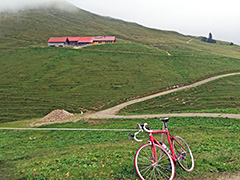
(165, 120)
(163, 135)
(164, 125)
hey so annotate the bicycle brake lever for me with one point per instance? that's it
(131, 136)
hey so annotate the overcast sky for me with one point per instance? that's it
(189, 17)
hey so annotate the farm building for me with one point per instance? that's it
(80, 41)
(83, 41)
(58, 41)
(103, 39)
(73, 41)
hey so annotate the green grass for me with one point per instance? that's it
(109, 155)
(219, 96)
(34, 28)
(128, 47)
(35, 81)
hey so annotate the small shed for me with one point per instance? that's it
(58, 41)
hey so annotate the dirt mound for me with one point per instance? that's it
(57, 115)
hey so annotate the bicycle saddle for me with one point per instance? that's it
(165, 119)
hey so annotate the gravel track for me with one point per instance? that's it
(111, 112)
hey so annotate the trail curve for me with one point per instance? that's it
(111, 112)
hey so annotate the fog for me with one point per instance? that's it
(198, 17)
(17, 5)
(189, 17)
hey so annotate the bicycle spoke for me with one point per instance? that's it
(148, 154)
(162, 173)
(148, 169)
(153, 162)
(162, 159)
(184, 154)
(145, 159)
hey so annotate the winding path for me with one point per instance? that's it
(111, 112)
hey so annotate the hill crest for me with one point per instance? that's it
(19, 6)
(35, 26)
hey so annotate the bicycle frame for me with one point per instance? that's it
(170, 139)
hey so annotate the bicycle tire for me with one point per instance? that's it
(147, 170)
(187, 161)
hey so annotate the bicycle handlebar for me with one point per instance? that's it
(147, 129)
(143, 127)
(135, 136)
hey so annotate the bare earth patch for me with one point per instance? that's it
(229, 176)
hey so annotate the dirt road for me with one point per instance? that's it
(111, 112)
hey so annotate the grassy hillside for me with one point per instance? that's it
(34, 81)
(34, 27)
(221, 96)
(109, 155)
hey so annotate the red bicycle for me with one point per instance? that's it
(154, 160)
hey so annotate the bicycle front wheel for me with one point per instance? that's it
(185, 157)
(148, 169)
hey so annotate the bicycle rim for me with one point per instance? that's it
(147, 169)
(186, 160)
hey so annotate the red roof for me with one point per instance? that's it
(57, 39)
(73, 38)
(85, 39)
(82, 39)
(104, 38)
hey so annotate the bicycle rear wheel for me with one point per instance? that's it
(147, 169)
(185, 158)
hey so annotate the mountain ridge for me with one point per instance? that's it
(35, 26)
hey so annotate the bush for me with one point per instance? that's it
(211, 41)
(204, 39)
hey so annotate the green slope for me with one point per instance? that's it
(35, 81)
(219, 96)
(82, 154)
(34, 27)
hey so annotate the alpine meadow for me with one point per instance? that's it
(36, 79)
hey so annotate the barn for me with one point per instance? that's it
(103, 39)
(73, 41)
(83, 41)
(80, 41)
(58, 42)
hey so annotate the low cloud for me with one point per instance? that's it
(18, 5)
